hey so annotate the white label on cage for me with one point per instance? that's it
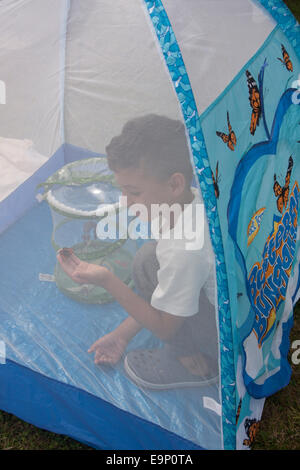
(46, 277)
(211, 404)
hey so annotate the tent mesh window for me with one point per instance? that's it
(149, 200)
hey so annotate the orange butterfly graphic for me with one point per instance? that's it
(255, 102)
(286, 59)
(282, 193)
(230, 138)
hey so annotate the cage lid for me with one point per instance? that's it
(84, 188)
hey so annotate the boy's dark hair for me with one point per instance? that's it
(158, 142)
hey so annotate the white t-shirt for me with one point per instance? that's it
(186, 267)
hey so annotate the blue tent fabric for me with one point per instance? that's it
(246, 205)
(64, 409)
(245, 148)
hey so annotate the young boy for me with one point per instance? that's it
(175, 285)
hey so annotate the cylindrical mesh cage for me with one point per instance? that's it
(80, 195)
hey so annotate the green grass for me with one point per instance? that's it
(279, 428)
(18, 435)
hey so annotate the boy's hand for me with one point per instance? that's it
(109, 349)
(81, 271)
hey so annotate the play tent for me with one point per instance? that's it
(73, 74)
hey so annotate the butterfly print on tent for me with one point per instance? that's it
(255, 102)
(282, 193)
(230, 138)
(286, 59)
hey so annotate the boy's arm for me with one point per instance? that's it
(162, 324)
(128, 328)
(110, 348)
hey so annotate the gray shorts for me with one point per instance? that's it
(198, 332)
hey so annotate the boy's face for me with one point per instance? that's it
(141, 187)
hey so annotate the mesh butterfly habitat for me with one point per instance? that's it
(114, 330)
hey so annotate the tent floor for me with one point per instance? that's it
(50, 379)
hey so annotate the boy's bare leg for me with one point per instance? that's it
(109, 349)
